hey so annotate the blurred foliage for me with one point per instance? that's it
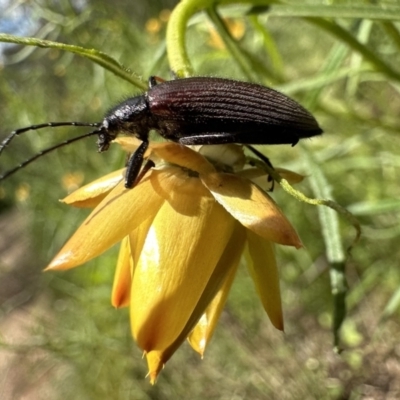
(63, 340)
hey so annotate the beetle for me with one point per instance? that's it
(195, 111)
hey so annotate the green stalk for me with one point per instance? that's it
(96, 56)
(177, 27)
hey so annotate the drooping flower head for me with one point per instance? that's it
(183, 230)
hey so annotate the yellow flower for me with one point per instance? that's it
(183, 230)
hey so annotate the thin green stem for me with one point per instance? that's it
(176, 30)
(287, 187)
(96, 56)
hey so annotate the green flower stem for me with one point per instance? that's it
(335, 255)
(176, 30)
(96, 56)
(322, 202)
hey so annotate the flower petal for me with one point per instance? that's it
(180, 189)
(217, 288)
(290, 176)
(251, 207)
(130, 143)
(231, 155)
(264, 271)
(178, 154)
(228, 264)
(113, 219)
(170, 152)
(138, 237)
(93, 193)
(131, 248)
(155, 364)
(122, 279)
(257, 176)
(176, 263)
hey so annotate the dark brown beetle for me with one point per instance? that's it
(198, 110)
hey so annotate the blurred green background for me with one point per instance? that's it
(60, 337)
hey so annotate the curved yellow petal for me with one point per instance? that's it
(123, 276)
(231, 155)
(183, 156)
(264, 271)
(93, 193)
(219, 282)
(290, 176)
(131, 247)
(251, 207)
(179, 255)
(181, 190)
(229, 262)
(130, 144)
(223, 273)
(252, 173)
(155, 364)
(170, 152)
(257, 176)
(114, 218)
(138, 237)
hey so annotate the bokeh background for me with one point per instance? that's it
(59, 335)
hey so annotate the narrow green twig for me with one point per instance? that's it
(96, 56)
(287, 187)
(176, 30)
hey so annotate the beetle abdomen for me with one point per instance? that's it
(258, 114)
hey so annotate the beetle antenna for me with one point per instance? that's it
(45, 151)
(18, 132)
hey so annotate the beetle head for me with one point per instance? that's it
(129, 117)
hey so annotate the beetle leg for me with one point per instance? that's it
(295, 142)
(146, 167)
(155, 80)
(266, 160)
(134, 165)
